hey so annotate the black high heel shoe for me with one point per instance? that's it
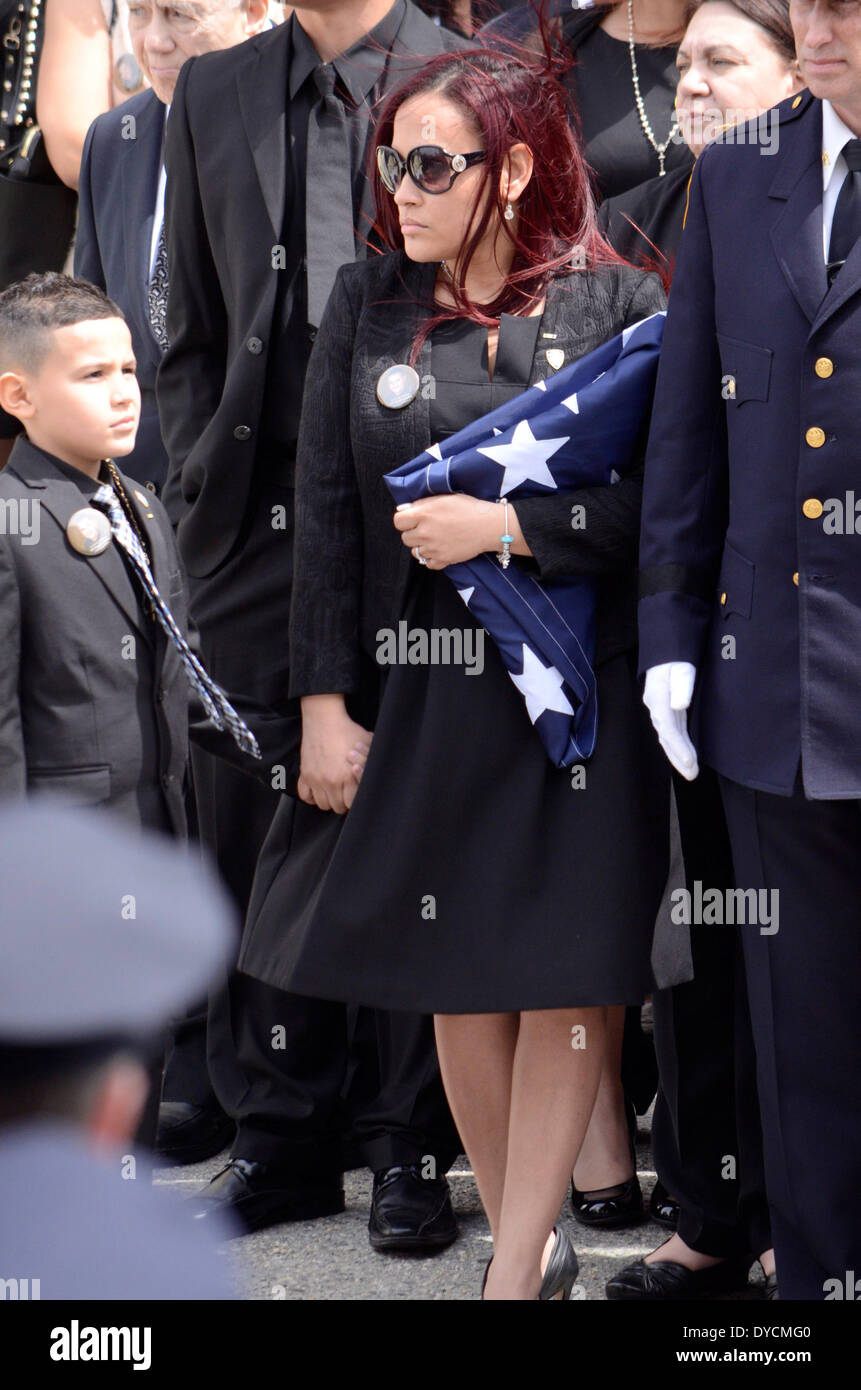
(616, 1206)
(561, 1272)
(663, 1208)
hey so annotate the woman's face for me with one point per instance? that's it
(435, 225)
(729, 72)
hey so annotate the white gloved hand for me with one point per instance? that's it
(667, 696)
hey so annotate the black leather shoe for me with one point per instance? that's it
(191, 1133)
(663, 1208)
(621, 1205)
(409, 1212)
(258, 1195)
(666, 1281)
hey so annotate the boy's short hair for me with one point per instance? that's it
(32, 308)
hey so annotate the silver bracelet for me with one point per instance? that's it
(504, 555)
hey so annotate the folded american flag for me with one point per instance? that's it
(577, 429)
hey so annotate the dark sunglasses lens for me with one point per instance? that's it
(389, 166)
(430, 168)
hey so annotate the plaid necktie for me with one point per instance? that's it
(215, 702)
(157, 293)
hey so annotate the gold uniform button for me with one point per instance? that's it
(823, 366)
(795, 579)
(723, 598)
(815, 437)
(812, 508)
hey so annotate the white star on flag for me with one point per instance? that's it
(540, 686)
(524, 457)
(572, 404)
(466, 594)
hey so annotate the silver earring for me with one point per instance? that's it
(509, 212)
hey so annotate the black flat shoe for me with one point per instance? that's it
(667, 1281)
(258, 1195)
(561, 1272)
(663, 1208)
(191, 1133)
(618, 1206)
(409, 1212)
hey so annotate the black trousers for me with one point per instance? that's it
(803, 983)
(706, 1133)
(278, 1063)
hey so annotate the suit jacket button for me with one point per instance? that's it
(242, 432)
(150, 487)
(312, 333)
(815, 437)
(160, 694)
(168, 780)
(723, 599)
(823, 366)
(795, 579)
(812, 508)
(255, 346)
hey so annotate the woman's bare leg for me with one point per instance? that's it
(605, 1158)
(521, 1089)
(476, 1059)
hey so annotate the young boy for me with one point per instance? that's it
(95, 689)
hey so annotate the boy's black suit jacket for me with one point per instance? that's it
(94, 701)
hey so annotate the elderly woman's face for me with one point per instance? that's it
(729, 72)
(435, 225)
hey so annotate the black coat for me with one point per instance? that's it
(227, 190)
(93, 697)
(116, 208)
(95, 706)
(350, 566)
(645, 224)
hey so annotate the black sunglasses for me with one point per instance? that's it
(430, 167)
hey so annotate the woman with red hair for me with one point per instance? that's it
(472, 878)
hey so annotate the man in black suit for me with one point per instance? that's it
(751, 606)
(122, 185)
(266, 197)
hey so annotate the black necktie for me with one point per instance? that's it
(846, 227)
(329, 237)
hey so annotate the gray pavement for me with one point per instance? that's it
(330, 1259)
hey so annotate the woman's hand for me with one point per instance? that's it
(333, 755)
(448, 530)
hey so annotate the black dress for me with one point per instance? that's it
(470, 875)
(602, 86)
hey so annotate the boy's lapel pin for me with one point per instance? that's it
(89, 531)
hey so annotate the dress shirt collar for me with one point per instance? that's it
(835, 133)
(359, 67)
(88, 486)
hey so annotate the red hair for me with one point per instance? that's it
(510, 101)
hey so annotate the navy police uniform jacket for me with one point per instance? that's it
(747, 570)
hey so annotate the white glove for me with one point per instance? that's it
(667, 696)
